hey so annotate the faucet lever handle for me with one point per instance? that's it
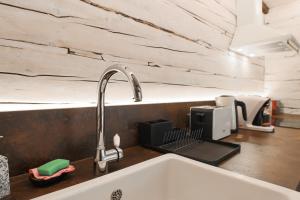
(117, 140)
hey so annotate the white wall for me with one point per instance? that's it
(55, 51)
(282, 79)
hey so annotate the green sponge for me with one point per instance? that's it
(52, 167)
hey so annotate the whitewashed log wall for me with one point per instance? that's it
(282, 79)
(276, 3)
(54, 51)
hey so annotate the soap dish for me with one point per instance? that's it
(38, 180)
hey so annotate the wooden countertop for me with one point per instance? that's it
(22, 188)
(271, 157)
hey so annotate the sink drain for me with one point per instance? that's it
(116, 195)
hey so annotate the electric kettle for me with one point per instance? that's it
(258, 114)
(230, 101)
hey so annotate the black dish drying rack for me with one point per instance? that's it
(189, 143)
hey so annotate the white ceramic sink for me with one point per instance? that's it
(172, 177)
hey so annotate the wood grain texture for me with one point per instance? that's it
(265, 8)
(55, 51)
(276, 3)
(282, 76)
(269, 157)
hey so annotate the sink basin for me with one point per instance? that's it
(172, 177)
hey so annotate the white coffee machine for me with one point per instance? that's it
(232, 103)
(257, 113)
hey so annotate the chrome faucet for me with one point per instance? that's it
(104, 156)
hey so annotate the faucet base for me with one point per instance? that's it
(108, 156)
(100, 168)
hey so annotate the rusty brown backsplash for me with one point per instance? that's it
(32, 138)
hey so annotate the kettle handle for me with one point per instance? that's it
(244, 109)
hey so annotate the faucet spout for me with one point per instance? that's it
(103, 156)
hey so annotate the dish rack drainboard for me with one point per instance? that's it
(189, 143)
